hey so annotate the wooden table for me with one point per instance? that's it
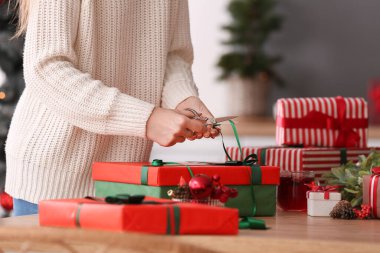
(289, 232)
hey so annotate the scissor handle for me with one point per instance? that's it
(197, 115)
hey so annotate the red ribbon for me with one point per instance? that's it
(373, 190)
(374, 94)
(347, 137)
(325, 189)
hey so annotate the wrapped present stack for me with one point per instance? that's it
(248, 187)
(314, 134)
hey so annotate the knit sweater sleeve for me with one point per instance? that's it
(51, 73)
(178, 82)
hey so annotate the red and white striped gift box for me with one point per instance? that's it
(301, 159)
(371, 191)
(322, 122)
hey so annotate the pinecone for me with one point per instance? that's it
(182, 192)
(343, 210)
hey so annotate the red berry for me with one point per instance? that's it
(223, 198)
(217, 192)
(216, 178)
(233, 193)
(226, 190)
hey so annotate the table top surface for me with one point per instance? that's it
(288, 232)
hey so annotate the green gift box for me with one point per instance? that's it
(256, 185)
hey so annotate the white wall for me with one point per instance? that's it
(206, 18)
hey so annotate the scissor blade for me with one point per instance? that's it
(221, 119)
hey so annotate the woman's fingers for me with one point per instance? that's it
(196, 126)
(214, 132)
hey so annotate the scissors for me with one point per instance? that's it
(213, 122)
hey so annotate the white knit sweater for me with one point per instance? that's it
(94, 71)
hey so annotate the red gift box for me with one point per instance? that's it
(322, 122)
(301, 159)
(371, 191)
(169, 175)
(163, 218)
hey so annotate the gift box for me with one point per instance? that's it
(371, 191)
(322, 122)
(301, 159)
(160, 217)
(256, 185)
(321, 202)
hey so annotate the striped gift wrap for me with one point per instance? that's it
(301, 159)
(320, 121)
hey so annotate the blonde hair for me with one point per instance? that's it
(23, 13)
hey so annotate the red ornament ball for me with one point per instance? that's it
(216, 178)
(201, 186)
(6, 201)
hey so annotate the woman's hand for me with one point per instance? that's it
(168, 127)
(197, 104)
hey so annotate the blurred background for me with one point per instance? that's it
(248, 53)
(328, 48)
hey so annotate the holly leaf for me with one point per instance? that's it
(364, 173)
(356, 201)
(351, 191)
(339, 173)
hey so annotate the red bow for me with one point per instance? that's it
(375, 171)
(326, 189)
(347, 137)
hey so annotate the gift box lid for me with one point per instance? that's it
(324, 195)
(169, 175)
(164, 217)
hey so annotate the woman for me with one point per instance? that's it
(104, 80)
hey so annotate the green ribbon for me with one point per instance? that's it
(177, 218)
(343, 156)
(144, 175)
(158, 163)
(77, 215)
(251, 223)
(263, 155)
(256, 176)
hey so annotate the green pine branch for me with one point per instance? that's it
(350, 177)
(253, 21)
